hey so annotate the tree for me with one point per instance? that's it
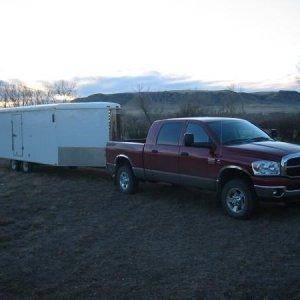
(3, 94)
(190, 109)
(143, 101)
(61, 90)
(228, 106)
(16, 93)
(9, 94)
(234, 87)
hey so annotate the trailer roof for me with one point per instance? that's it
(79, 105)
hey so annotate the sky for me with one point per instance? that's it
(114, 45)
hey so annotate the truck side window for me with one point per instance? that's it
(199, 133)
(169, 134)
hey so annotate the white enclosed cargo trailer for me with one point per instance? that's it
(67, 134)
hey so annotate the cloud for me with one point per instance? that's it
(155, 81)
(152, 81)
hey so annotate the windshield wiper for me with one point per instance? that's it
(236, 141)
(249, 140)
(260, 139)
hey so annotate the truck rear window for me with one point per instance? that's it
(169, 134)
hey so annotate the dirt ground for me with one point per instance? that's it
(70, 233)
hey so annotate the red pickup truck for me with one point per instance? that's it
(233, 157)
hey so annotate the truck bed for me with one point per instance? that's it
(129, 149)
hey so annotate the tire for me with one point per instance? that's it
(238, 199)
(126, 180)
(14, 165)
(26, 167)
(72, 168)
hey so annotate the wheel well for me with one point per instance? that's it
(233, 173)
(122, 161)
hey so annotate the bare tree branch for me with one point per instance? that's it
(16, 93)
(143, 100)
(63, 90)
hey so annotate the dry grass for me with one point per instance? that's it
(70, 233)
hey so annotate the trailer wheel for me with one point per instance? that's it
(26, 167)
(126, 180)
(72, 168)
(15, 165)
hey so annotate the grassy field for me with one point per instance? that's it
(70, 233)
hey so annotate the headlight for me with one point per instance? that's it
(266, 168)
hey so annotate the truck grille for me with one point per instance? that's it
(294, 172)
(293, 162)
(291, 165)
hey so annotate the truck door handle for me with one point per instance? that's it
(184, 154)
(212, 160)
(154, 151)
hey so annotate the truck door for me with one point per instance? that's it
(161, 158)
(17, 135)
(196, 163)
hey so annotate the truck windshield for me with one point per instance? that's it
(237, 132)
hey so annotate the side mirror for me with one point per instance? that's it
(188, 139)
(274, 134)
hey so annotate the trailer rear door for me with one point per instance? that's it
(17, 135)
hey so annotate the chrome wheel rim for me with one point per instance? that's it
(124, 180)
(236, 200)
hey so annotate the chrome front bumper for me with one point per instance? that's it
(275, 192)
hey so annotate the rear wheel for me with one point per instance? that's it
(238, 199)
(15, 165)
(126, 180)
(26, 167)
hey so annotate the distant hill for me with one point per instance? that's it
(206, 98)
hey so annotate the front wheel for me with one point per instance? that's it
(126, 180)
(238, 199)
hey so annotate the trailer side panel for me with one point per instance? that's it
(82, 136)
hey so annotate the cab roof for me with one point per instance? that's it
(201, 119)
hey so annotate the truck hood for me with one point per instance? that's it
(265, 150)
